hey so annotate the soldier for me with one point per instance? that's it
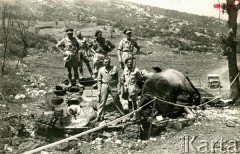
(83, 54)
(100, 47)
(69, 47)
(128, 83)
(107, 83)
(126, 47)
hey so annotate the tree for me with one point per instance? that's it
(6, 21)
(23, 21)
(230, 42)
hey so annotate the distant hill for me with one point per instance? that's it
(179, 30)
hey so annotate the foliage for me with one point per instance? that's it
(11, 84)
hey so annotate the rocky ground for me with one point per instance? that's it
(42, 71)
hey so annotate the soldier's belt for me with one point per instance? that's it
(126, 51)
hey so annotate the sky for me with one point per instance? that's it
(199, 7)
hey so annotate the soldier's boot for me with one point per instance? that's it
(69, 74)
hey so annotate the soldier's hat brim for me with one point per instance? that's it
(126, 31)
(129, 58)
(68, 31)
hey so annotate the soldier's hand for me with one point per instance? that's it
(119, 92)
(98, 93)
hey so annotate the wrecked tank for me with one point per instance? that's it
(65, 108)
(72, 107)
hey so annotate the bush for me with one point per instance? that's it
(11, 84)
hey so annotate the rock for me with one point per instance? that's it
(230, 124)
(108, 140)
(190, 116)
(159, 118)
(24, 106)
(8, 148)
(98, 141)
(20, 96)
(152, 139)
(118, 142)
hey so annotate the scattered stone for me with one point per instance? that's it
(98, 141)
(152, 139)
(20, 96)
(24, 106)
(108, 140)
(230, 124)
(159, 118)
(118, 142)
(8, 148)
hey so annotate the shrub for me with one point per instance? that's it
(11, 84)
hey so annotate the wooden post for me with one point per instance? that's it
(150, 126)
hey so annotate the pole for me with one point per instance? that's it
(150, 127)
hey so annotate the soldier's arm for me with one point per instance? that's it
(111, 45)
(78, 46)
(60, 45)
(99, 80)
(137, 47)
(120, 82)
(120, 48)
(139, 75)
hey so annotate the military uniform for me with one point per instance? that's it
(126, 47)
(130, 88)
(107, 83)
(83, 55)
(101, 47)
(71, 59)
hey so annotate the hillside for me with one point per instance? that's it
(181, 31)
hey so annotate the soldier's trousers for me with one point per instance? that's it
(105, 91)
(86, 61)
(75, 73)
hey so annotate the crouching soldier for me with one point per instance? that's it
(129, 87)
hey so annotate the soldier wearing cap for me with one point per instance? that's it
(69, 47)
(100, 47)
(126, 47)
(83, 54)
(128, 84)
(107, 84)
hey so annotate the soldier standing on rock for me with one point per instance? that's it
(69, 47)
(101, 47)
(83, 54)
(126, 47)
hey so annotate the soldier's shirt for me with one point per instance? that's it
(71, 48)
(102, 45)
(130, 79)
(108, 76)
(83, 47)
(82, 43)
(127, 47)
(69, 44)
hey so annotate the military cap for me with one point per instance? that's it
(97, 32)
(70, 30)
(127, 31)
(129, 58)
